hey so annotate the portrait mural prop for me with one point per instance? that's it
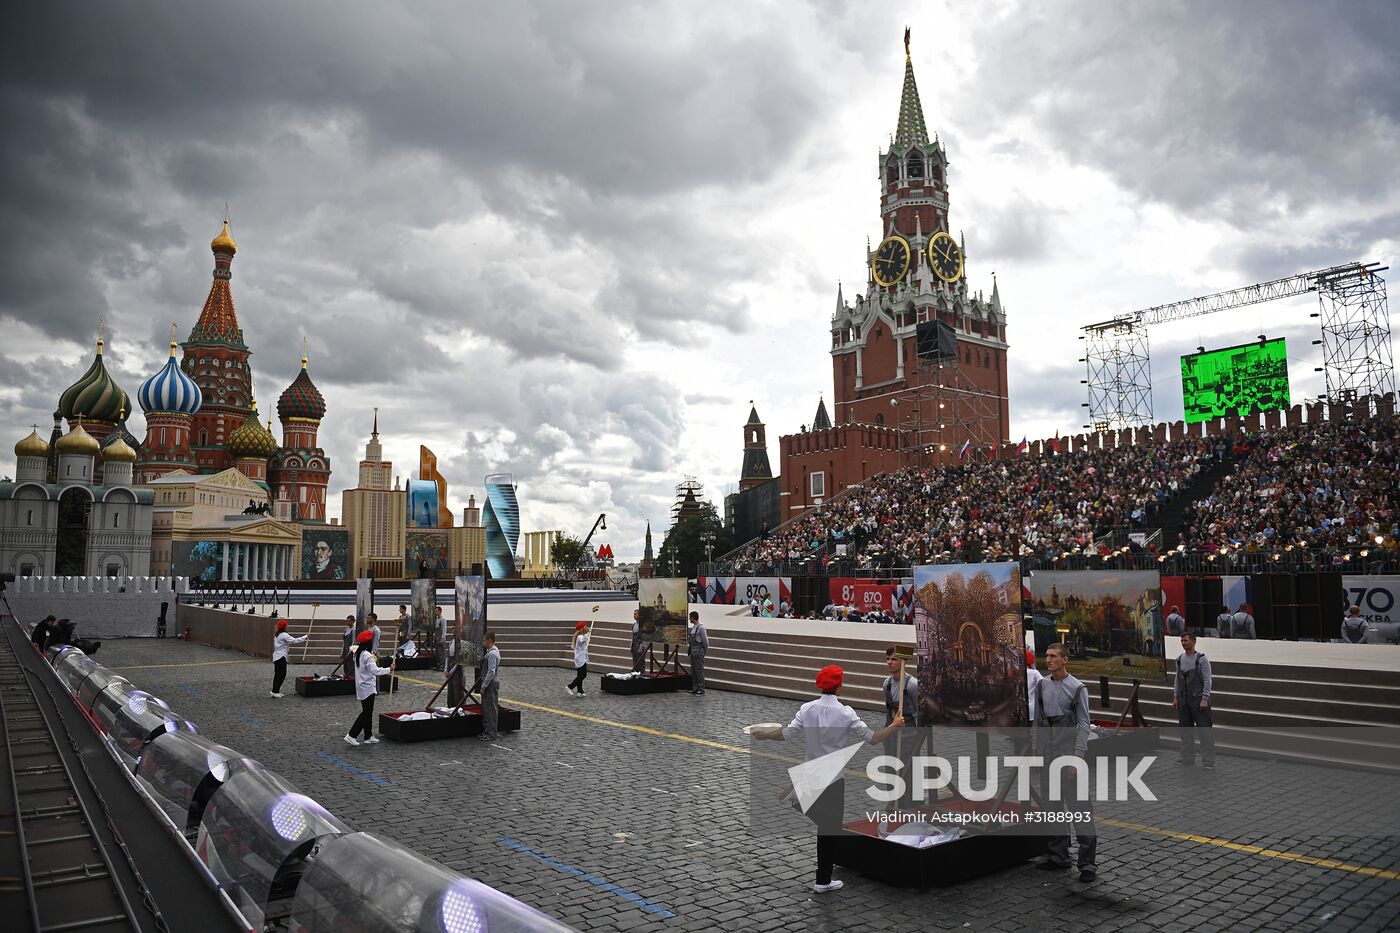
(971, 649)
(425, 547)
(422, 603)
(470, 625)
(664, 603)
(1099, 613)
(325, 553)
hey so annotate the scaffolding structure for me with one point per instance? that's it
(1356, 354)
(1357, 357)
(944, 409)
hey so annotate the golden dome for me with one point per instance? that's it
(224, 243)
(78, 442)
(119, 451)
(33, 445)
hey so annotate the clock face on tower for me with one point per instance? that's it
(891, 261)
(945, 257)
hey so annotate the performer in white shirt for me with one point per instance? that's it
(280, 643)
(367, 675)
(580, 659)
(827, 725)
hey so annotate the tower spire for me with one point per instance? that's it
(910, 131)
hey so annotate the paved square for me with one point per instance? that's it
(631, 813)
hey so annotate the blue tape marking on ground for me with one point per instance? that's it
(592, 879)
(248, 719)
(358, 772)
(191, 690)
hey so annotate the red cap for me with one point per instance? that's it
(580, 626)
(365, 637)
(281, 624)
(1030, 657)
(829, 678)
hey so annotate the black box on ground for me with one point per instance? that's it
(391, 726)
(653, 683)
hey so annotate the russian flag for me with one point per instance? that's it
(966, 450)
(1022, 447)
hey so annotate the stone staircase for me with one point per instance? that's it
(776, 665)
(1168, 518)
(1286, 711)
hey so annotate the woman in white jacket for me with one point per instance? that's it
(367, 675)
(280, 643)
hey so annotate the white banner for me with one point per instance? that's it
(1378, 596)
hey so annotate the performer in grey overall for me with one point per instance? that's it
(490, 687)
(906, 743)
(1062, 728)
(1191, 699)
(697, 642)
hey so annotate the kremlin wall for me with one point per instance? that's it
(212, 495)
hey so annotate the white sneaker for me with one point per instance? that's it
(569, 690)
(829, 886)
(351, 740)
(278, 695)
(371, 740)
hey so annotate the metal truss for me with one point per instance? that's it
(1356, 352)
(1357, 357)
(945, 409)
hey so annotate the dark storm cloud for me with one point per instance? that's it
(1244, 111)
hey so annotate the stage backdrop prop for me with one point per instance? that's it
(738, 591)
(470, 626)
(325, 553)
(868, 595)
(1379, 599)
(970, 643)
(1101, 613)
(201, 560)
(428, 547)
(663, 603)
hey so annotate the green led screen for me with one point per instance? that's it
(1249, 378)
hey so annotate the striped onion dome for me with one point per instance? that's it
(95, 396)
(302, 399)
(170, 390)
(251, 439)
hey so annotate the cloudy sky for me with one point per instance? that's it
(572, 241)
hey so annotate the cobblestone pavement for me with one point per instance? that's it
(630, 813)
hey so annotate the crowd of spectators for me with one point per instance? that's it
(1328, 486)
(991, 509)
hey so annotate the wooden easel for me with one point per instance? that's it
(670, 659)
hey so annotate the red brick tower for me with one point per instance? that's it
(891, 409)
(216, 358)
(755, 471)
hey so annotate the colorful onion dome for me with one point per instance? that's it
(302, 399)
(251, 439)
(95, 396)
(170, 390)
(78, 442)
(33, 445)
(224, 243)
